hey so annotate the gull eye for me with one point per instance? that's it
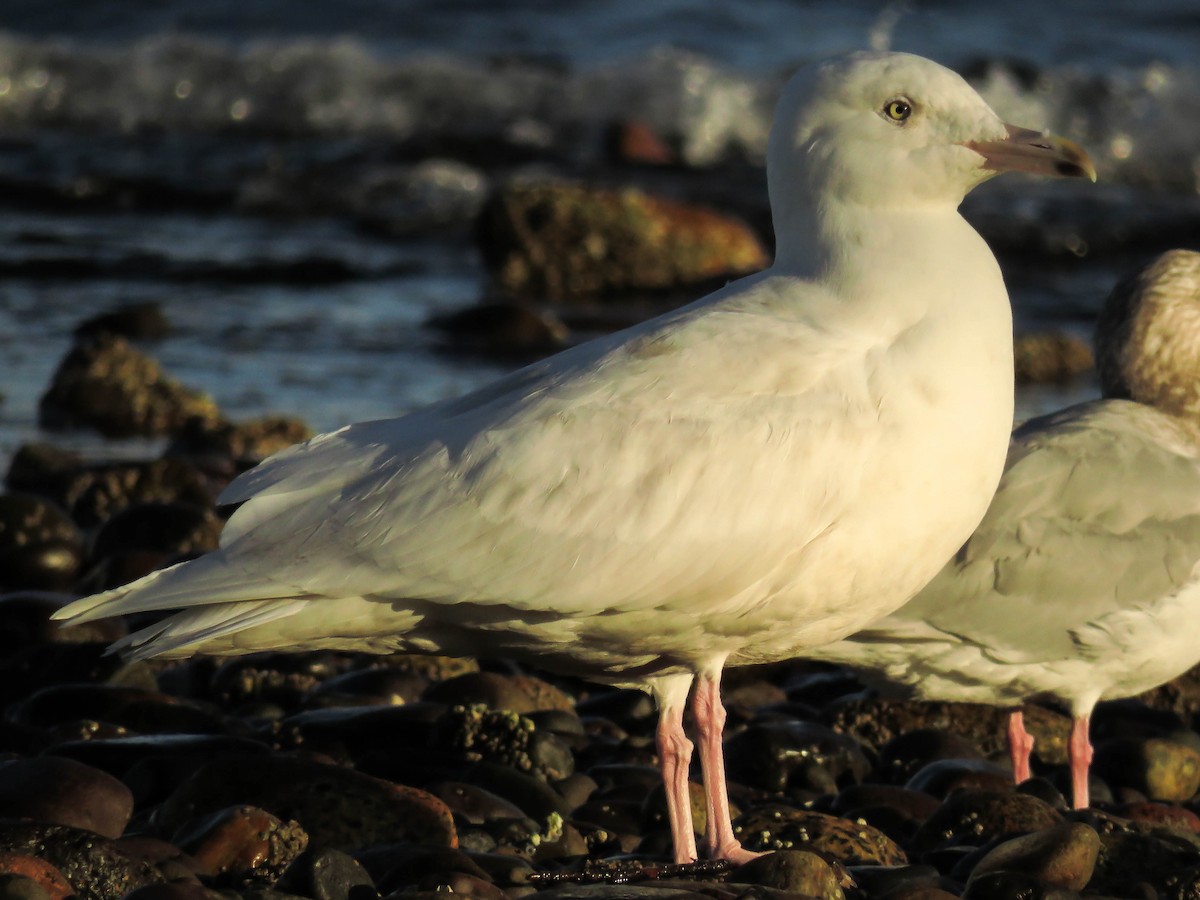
(897, 110)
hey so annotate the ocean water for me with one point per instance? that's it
(294, 182)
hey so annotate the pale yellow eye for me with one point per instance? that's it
(897, 110)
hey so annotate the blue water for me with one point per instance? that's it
(196, 153)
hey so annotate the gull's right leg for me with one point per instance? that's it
(674, 759)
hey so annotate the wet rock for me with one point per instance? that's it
(282, 678)
(906, 754)
(106, 384)
(1131, 859)
(394, 867)
(895, 881)
(534, 796)
(636, 142)
(1161, 814)
(1013, 886)
(433, 668)
(65, 792)
(50, 883)
(52, 664)
(879, 720)
(392, 742)
(325, 874)
(1160, 769)
(37, 466)
(896, 811)
(94, 493)
(136, 708)
(775, 827)
(476, 733)
(41, 548)
(773, 754)
(146, 536)
(337, 807)
(473, 804)
(153, 765)
(25, 620)
(1045, 789)
(944, 776)
(1051, 357)
(1062, 856)
(1180, 696)
(379, 685)
(137, 321)
(21, 887)
(921, 892)
(243, 843)
(568, 242)
(504, 329)
(794, 871)
(176, 891)
(92, 864)
(218, 444)
(974, 817)
(171, 862)
(518, 693)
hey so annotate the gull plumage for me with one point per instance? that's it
(764, 470)
(1082, 582)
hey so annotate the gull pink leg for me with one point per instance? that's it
(1080, 752)
(709, 713)
(674, 756)
(1020, 746)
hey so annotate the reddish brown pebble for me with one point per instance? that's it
(65, 792)
(52, 881)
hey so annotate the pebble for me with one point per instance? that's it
(327, 874)
(567, 242)
(974, 816)
(1061, 856)
(775, 827)
(337, 807)
(105, 383)
(1160, 769)
(65, 792)
(943, 777)
(516, 693)
(240, 844)
(219, 446)
(41, 547)
(32, 878)
(794, 871)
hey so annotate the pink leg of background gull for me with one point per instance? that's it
(1080, 752)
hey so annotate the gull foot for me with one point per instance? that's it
(735, 853)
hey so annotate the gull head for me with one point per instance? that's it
(1148, 335)
(895, 130)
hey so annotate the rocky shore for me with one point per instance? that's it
(338, 776)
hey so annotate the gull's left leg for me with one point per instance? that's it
(1020, 746)
(709, 714)
(1079, 750)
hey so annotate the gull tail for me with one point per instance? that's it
(215, 600)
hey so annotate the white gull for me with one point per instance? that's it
(762, 471)
(1082, 582)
